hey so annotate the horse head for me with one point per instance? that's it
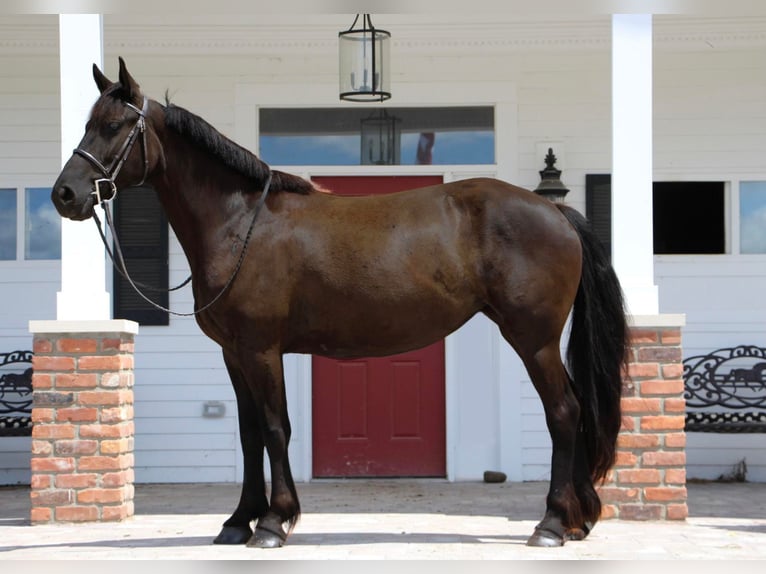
(120, 148)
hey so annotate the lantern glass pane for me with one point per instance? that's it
(363, 65)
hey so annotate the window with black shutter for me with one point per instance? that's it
(688, 217)
(142, 230)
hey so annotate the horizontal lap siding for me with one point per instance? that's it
(565, 99)
(710, 455)
(727, 312)
(14, 459)
(172, 436)
(535, 439)
(29, 157)
(708, 114)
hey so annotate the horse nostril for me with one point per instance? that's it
(65, 193)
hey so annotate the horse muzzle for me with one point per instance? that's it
(70, 204)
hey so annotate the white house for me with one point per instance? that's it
(519, 85)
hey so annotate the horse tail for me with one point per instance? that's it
(597, 349)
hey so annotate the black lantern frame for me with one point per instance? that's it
(364, 54)
(550, 185)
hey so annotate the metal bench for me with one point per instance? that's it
(725, 391)
(16, 393)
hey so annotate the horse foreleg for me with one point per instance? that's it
(253, 502)
(284, 507)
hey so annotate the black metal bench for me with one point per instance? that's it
(16, 393)
(725, 391)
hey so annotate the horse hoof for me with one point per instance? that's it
(576, 534)
(266, 539)
(234, 535)
(545, 539)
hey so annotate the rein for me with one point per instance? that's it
(110, 175)
(119, 260)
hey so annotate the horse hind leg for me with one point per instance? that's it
(590, 503)
(253, 502)
(563, 517)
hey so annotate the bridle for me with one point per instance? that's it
(110, 175)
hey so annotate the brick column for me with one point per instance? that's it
(648, 481)
(82, 433)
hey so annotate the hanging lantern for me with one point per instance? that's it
(364, 56)
(380, 139)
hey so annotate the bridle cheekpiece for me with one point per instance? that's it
(110, 173)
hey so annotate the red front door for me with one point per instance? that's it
(379, 416)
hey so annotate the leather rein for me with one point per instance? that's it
(104, 196)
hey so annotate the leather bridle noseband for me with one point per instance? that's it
(110, 173)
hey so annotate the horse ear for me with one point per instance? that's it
(101, 80)
(130, 86)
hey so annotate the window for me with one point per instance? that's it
(689, 217)
(142, 231)
(398, 136)
(35, 232)
(752, 217)
(7, 224)
(42, 225)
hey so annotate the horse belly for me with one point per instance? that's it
(359, 325)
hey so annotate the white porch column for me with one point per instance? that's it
(83, 294)
(632, 241)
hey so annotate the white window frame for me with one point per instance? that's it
(21, 206)
(732, 227)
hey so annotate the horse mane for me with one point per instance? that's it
(233, 155)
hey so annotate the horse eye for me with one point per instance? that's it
(114, 126)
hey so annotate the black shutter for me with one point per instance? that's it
(598, 207)
(142, 230)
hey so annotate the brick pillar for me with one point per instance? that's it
(648, 481)
(82, 434)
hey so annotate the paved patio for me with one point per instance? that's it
(390, 519)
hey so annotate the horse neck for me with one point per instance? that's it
(203, 200)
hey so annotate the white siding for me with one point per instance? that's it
(29, 157)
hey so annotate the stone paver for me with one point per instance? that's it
(391, 519)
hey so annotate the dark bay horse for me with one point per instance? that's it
(299, 270)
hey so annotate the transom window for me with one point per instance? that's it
(30, 227)
(378, 136)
